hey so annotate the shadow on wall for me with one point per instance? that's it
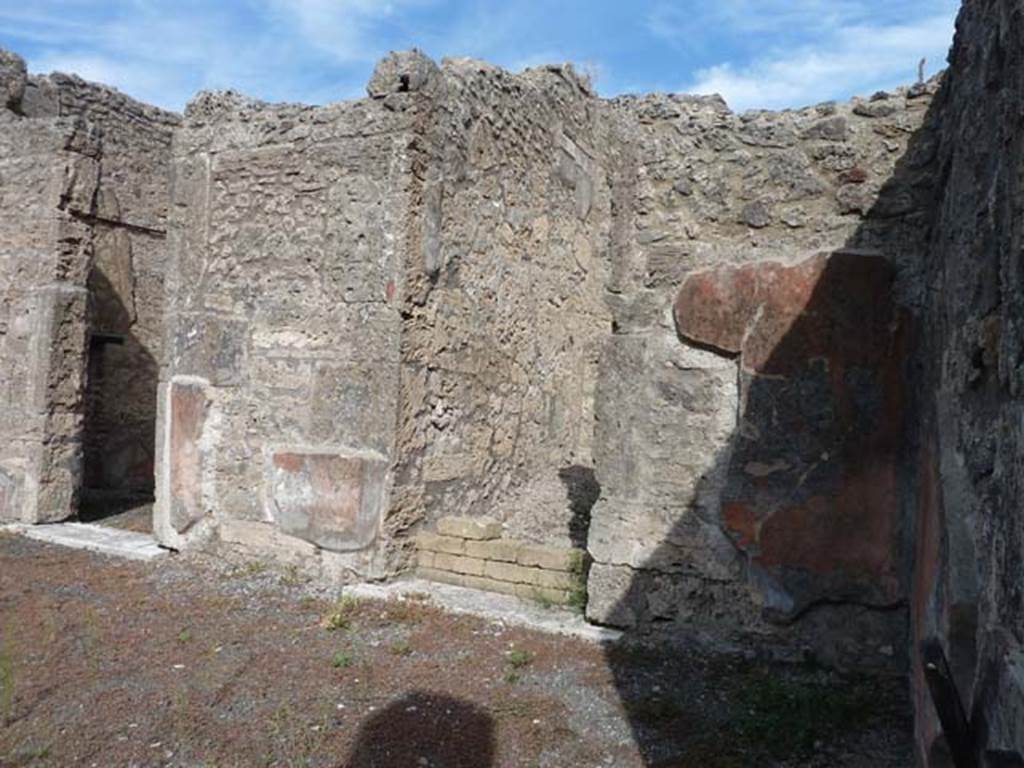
(425, 728)
(799, 531)
(119, 429)
(582, 491)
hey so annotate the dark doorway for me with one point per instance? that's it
(121, 389)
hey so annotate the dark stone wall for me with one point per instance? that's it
(969, 571)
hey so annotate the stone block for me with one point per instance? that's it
(424, 559)
(435, 543)
(467, 565)
(209, 346)
(509, 572)
(434, 574)
(552, 558)
(332, 499)
(611, 597)
(476, 528)
(533, 592)
(504, 550)
(402, 72)
(553, 579)
(469, 582)
(265, 539)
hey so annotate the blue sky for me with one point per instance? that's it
(756, 53)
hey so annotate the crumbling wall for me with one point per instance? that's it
(970, 531)
(126, 282)
(751, 409)
(49, 170)
(92, 268)
(505, 313)
(407, 287)
(279, 388)
(779, 367)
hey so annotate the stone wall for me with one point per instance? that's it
(505, 314)
(126, 282)
(473, 552)
(48, 176)
(76, 270)
(970, 531)
(751, 409)
(396, 302)
(279, 387)
(764, 366)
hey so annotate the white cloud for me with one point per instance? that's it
(273, 49)
(750, 22)
(345, 30)
(756, 52)
(850, 59)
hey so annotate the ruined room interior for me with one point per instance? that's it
(733, 380)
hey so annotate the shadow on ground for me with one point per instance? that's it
(425, 730)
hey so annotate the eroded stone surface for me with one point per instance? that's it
(13, 77)
(84, 184)
(9, 509)
(402, 72)
(970, 531)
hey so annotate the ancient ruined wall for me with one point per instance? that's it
(430, 260)
(751, 406)
(506, 313)
(970, 531)
(126, 283)
(48, 178)
(279, 386)
(94, 269)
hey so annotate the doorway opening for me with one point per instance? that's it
(119, 429)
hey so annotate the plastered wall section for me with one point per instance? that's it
(279, 383)
(750, 407)
(48, 177)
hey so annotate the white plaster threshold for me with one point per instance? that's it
(95, 538)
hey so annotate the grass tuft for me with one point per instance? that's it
(342, 616)
(343, 660)
(519, 659)
(400, 648)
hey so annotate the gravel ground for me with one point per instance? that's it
(194, 661)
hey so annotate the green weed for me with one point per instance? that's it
(400, 648)
(342, 660)
(519, 659)
(341, 617)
